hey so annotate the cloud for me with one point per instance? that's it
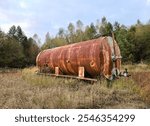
(23, 4)
(148, 2)
(6, 26)
(42, 16)
(3, 16)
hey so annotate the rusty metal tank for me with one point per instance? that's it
(98, 57)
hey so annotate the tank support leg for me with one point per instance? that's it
(57, 71)
(81, 72)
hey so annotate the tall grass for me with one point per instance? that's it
(137, 67)
(26, 89)
(71, 93)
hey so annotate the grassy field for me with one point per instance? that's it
(25, 89)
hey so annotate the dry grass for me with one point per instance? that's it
(140, 74)
(25, 89)
(137, 67)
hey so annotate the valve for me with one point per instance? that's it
(125, 73)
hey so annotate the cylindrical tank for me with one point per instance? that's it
(98, 57)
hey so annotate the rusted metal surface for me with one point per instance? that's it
(96, 56)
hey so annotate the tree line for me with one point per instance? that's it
(17, 50)
(134, 41)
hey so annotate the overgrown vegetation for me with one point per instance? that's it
(25, 89)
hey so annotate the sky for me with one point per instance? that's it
(42, 16)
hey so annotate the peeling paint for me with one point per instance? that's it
(94, 55)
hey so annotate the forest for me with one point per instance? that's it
(19, 51)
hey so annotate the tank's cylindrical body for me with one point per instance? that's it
(94, 55)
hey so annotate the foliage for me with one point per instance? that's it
(16, 50)
(134, 41)
(142, 43)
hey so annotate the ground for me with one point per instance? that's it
(25, 89)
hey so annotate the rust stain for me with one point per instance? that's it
(94, 55)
